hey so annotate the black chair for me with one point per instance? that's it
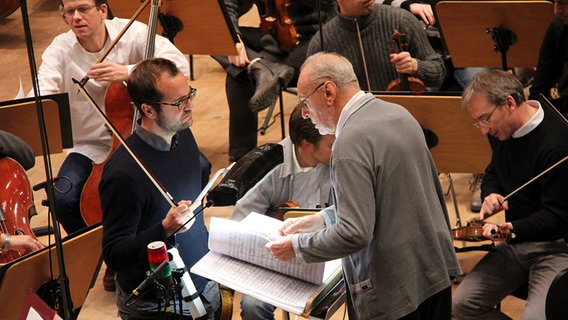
(557, 297)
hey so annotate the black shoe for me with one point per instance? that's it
(267, 83)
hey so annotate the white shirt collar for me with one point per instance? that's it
(534, 121)
(348, 110)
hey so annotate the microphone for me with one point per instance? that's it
(160, 269)
(188, 291)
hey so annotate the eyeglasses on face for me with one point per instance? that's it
(483, 123)
(83, 10)
(182, 102)
(303, 103)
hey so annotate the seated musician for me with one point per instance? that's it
(13, 147)
(526, 139)
(552, 69)
(303, 177)
(136, 211)
(254, 76)
(359, 20)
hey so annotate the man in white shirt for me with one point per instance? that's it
(73, 55)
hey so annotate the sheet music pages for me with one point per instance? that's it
(239, 260)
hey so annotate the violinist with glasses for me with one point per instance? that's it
(527, 139)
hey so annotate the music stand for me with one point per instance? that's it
(207, 28)
(83, 259)
(18, 116)
(461, 147)
(516, 32)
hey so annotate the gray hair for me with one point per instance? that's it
(331, 66)
(496, 85)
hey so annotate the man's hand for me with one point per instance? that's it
(281, 248)
(404, 63)
(177, 216)
(108, 71)
(424, 11)
(498, 233)
(307, 224)
(491, 205)
(242, 59)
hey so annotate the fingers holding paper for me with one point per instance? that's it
(307, 224)
(281, 247)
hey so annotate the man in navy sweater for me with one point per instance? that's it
(134, 211)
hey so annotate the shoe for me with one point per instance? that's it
(267, 83)
(475, 203)
(108, 280)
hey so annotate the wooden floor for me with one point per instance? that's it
(210, 128)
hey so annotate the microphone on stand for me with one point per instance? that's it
(188, 291)
(160, 269)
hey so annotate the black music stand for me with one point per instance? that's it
(18, 116)
(493, 34)
(83, 260)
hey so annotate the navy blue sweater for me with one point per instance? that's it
(134, 208)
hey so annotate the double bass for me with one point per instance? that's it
(16, 204)
(123, 116)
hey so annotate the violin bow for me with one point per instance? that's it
(122, 32)
(362, 54)
(485, 215)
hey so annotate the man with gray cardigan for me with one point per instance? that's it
(389, 223)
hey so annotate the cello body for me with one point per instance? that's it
(7, 7)
(121, 113)
(16, 204)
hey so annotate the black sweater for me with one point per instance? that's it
(134, 208)
(539, 212)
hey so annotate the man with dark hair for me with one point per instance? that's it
(135, 211)
(73, 55)
(303, 177)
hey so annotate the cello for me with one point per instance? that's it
(16, 204)
(397, 44)
(123, 116)
(7, 7)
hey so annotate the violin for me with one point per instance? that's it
(122, 115)
(277, 212)
(473, 232)
(16, 204)
(276, 22)
(7, 7)
(397, 44)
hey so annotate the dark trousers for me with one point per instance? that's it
(438, 306)
(243, 123)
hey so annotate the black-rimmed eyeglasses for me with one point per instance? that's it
(182, 102)
(303, 103)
